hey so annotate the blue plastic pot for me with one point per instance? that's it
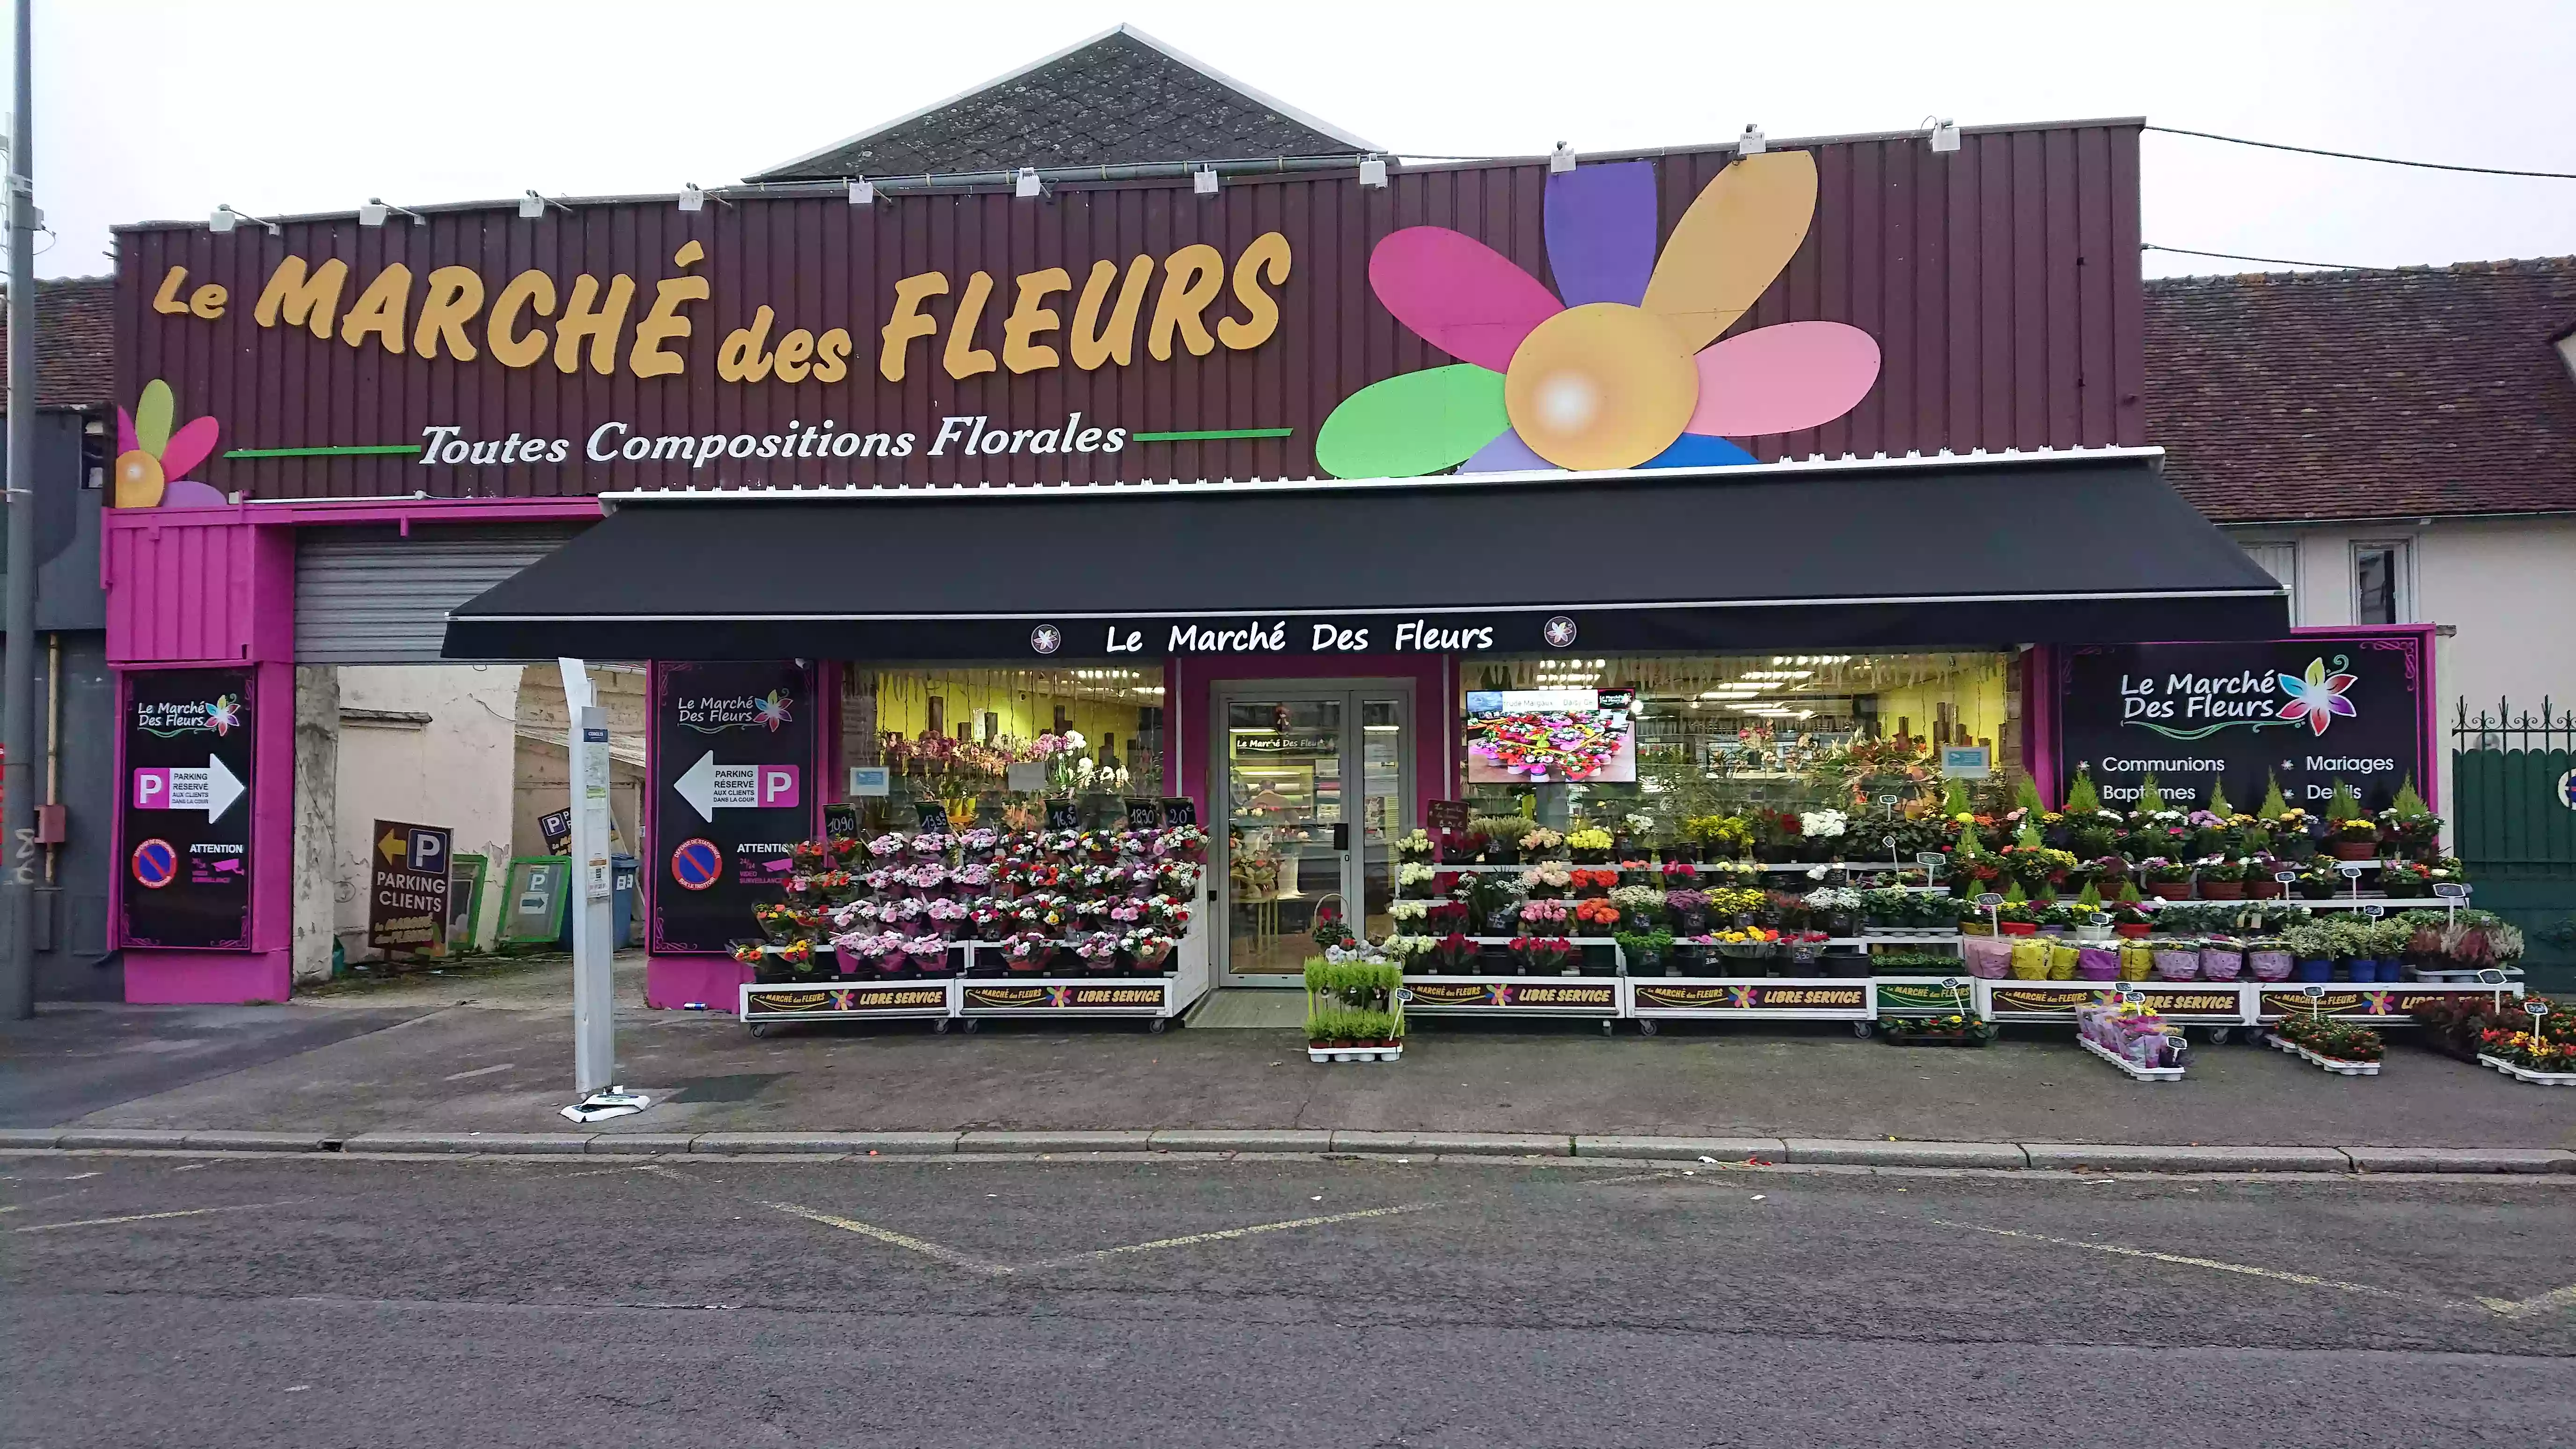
(2363, 968)
(2317, 969)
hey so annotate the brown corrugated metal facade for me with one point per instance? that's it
(2001, 281)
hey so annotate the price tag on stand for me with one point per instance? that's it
(933, 815)
(2374, 910)
(1064, 815)
(1994, 917)
(1179, 810)
(2352, 872)
(2451, 893)
(2286, 877)
(1144, 816)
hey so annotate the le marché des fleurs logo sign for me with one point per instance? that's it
(1631, 354)
(2190, 705)
(1192, 300)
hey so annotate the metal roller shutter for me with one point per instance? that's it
(374, 596)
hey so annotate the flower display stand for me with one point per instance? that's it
(828, 998)
(2335, 1065)
(2136, 1072)
(2526, 1074)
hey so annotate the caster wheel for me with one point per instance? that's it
(1157, 1025)
(1864, 1029)
(2218, 1035)
(970, 1026)
(939, 1027)
(1609, 1028)
(1646, 1028)
(760, 1030)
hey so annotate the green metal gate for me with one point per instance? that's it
(2513, 823)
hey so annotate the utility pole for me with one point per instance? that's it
(17, 694)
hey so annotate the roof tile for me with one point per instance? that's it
(1113, 102)
(2348, 395)
(75, 343)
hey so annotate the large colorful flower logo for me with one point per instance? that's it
(1616, 369)
(2317, 697)
(223, 714)
(771, 711)
(152, 459)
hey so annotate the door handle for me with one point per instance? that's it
(1341, 837)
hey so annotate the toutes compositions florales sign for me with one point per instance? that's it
(1695, 309)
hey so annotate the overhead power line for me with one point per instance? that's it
(2275, 261)
(2356, 156)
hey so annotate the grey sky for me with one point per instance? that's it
(156, 110)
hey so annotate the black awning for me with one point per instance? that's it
(1912, 555)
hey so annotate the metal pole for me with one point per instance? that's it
(594, 1020)
(18, 779)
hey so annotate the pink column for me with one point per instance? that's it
(203, 587)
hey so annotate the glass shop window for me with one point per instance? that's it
(996, 744)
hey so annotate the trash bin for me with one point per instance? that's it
(621, 884)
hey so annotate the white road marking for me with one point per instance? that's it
(478, 1072)
(2526, 1307)
(1229, 1234)
(956, 1259)
(2302, 1279)
(149, 1217)
(888, 1236)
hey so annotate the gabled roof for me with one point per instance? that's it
(2349, 395)
(1120, 97)
(75, 343)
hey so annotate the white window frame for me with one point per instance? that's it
(2401, 576)
(2289, 580)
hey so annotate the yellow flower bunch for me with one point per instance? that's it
(1728, 902)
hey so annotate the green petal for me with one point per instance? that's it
(1413, 423)
(152, 417)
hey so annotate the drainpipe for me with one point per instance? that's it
(53, 737)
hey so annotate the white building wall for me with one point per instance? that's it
(451, 769)
(2505, 587)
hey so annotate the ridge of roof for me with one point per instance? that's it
(1278, 109)
(2503, 266)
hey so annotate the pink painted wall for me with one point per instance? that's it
(1189, 693)
(196, 586)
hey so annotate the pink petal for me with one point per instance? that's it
(126, 439)
(1459, 294)
(187, 448)
(1780, 379)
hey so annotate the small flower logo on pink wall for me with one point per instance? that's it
(153, 458)
(1622, 365)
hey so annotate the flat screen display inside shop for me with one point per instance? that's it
(185, 810)
(1551, 736)
(733, 747)
(2309, 711)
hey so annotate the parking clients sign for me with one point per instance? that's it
(2307, 711)
(407, 886)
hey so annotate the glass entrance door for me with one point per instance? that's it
(1315, 785)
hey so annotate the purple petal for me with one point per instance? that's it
(2341, 705)
(1507, 454)
(1601, 232)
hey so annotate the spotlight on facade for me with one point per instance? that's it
(1373, 173)
(1751, 143)
(1025, 184)
(531, 206)
(1203, 181)
(1945, 135)
(1560, 159)
(863, 193)
(691, 198)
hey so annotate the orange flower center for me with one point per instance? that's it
(1600, 386)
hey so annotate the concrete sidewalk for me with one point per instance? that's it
(501, 1062)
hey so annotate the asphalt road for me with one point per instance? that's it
(326, 1301)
